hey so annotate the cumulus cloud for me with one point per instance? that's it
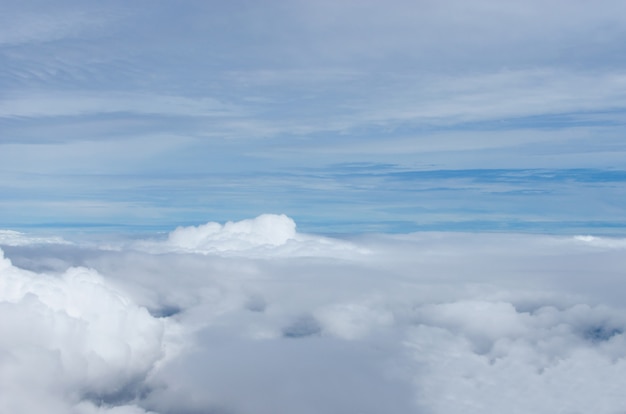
(235, 318)
(71, 337)
(265, 230)
(267, 234)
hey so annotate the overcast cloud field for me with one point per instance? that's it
(313, 207)
(255, 317)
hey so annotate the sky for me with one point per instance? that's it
(349, 116)
(306, 207)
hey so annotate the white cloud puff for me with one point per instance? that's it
(265, 235)
(265, 230)
(70, 337)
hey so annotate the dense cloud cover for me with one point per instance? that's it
(253, 317)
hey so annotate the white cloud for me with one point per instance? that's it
(250, 323)
(267, 234)
(519, 362)
(265, 230)
(353, 320)
(68, 337)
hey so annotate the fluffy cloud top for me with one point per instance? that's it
(265, 235)
(70, 338)
(265, 230)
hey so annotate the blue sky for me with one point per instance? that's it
(347, 116)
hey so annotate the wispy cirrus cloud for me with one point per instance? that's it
(294, 88)
(59, 103)
(23, 26)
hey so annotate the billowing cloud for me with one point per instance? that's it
(488, 357)
(69, 341)
(225, 318)
(265, 230)
(267, 234)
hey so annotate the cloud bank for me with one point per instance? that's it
(236, 318)
(70, 341)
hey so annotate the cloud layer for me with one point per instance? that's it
(225, 318)
(135, 114)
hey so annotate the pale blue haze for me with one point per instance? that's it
(350, 116)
